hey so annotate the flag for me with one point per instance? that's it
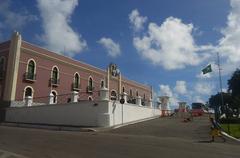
(207, 69)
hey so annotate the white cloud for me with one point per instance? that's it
(229, 47)
(181, 87)
(113, 48)
(170, 45)
(204, 88)
(58, 34)
(14, 20)
(136, 20)
(165, 90)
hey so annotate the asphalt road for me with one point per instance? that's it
(163, 137)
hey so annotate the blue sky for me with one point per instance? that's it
(160, 43)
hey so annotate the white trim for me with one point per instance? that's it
(35, 65)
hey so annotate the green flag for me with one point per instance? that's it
(207, 69)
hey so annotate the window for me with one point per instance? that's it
(28, 91)
(123, 89)
(30, 74)
(136, 93)
(76, 83)
(55, 76)
(130, 93)
(90, 85)
(113, 95)
(2, 67)
(90, 98)
(54, 97)
(102, 84)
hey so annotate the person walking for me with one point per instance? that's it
(215, 131)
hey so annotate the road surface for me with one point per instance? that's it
(162, 137)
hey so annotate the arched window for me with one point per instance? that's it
(123, 89)
(130, 93)
(30, 74)
(28, 91)
(102, 84)
(90, 84)
(113, 95)
(55, 76)
(76, 81)
(90, 98)
(54, 97)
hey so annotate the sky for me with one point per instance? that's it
(164, 43)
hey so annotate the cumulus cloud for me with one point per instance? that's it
(113, 48)
(165, 90)
(181, 87)
(204, 88)
(136, 20)
(58, 34)
(229, 45)
(14, 20)
(170, 45)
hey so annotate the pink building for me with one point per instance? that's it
(29, 70)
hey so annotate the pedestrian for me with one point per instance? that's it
(215, 131)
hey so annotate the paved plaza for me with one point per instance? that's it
(162, 137)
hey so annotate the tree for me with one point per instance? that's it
(234, 83)
(234, 88)
(215, 102)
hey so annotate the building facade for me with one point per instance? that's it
(29, 70)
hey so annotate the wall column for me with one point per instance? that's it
(12, 67)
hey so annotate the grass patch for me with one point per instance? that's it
(234, 129)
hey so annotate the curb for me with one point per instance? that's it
(56, 127)
(230, 137)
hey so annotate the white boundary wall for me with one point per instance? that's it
(87, 113)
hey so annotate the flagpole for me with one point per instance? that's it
(220, 79)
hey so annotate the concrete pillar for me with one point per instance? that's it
(51, 98)
(165, 105)
(139, 100)
(151, 102)
(125, 96)
(104, 94)
(74, 97)
(28, 101)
